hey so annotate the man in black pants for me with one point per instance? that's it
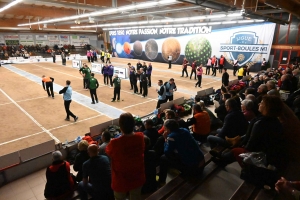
(93, 85)
(194, 66)
(53, 56)
(49, 85)
(131, 70)
(170, 62)
(235, 64)
(81, 72)
(144, 82)
(139, 66)
(184, 67)
(67, 91)
(117, 88)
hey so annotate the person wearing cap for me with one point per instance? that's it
(93, 85)
(96, 176)
(67, 91)
(48, 81)
(59, 182)
(170, 89)
(117, 88)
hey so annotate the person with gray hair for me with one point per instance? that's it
(80, 158)
(247, 109)
(188, 157)
(262, 91)
(59, 180)
(272, 88)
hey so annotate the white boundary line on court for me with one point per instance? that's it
(137, 104)
(21, 138)
(26, 113)
(23, 100)
(51, 129)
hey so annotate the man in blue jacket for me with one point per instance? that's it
(110, 73)
(105, 74)
(181, 151)
(67, 91)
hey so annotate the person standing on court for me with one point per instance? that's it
(102, 56)
(88, 55)
(194, 66)
(104, 71)
(53, 55)
(95, 55)
(161, 93)
(215, 67)
(117, 88)
(149, 72)
(208, 66)
(225, 78)
(107, 57)
(110, 73)
(235, 65)
(63, 58)
(81, 72)
(170, 62)
(139, 65)
(91, 55)
(48, 81)
(87, 76)
(199, 75)
(221, 64)
(131, 70)
(67, 91)
(145, 66)
(93, 85)
(144, 82)
(170, 89)
(184, 67)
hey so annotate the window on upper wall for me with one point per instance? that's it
(293, 31)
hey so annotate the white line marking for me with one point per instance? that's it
(51, 129)
(137, 104)
(26, 113)
(21, 138)
(24, 100)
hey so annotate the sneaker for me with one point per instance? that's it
(113, 100)
(93, 103)
(133, 93)
(75, 119)
(131, 89)
(67, 119)
(195, 85)
(52, 97)
(181, 76)
(200, 87)
(96, 101)
(118, 100)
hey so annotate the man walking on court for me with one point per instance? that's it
(117, 88)
(93, 85)
(49, 85)
(184, 67)
(63, 58)
(67, 91)
(53, 56)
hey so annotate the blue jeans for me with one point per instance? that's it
(214, 141)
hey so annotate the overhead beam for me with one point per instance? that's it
(287, 5)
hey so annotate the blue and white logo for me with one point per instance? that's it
(243, 46)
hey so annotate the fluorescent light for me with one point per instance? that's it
(166, 26)
(177, 25)
(214, 23)
(245, 21)
(229, 22)
(146, 5)
(215, 16)
(200, 24)
(188, 24)
(259, 20)
(10, 5)
(181, 19)
(154, 21)
(127, 7)
(234, 15)
(158, 26)
(143, 22)
(197, 17)
(166, 1)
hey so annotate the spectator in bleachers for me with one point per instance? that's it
(170, 114)
(234, 124)
(151, 132)
(127, 160)
(181, 152)
(296, 76)
(105, 138)
(59, 181)
(286, 83)
(234, 96)
(80, 158)
(200, 123)
(247, 109)
(262, 91)
(150, 167)
(272, 90)
(215, 123)
(96, 176)
(221, 110)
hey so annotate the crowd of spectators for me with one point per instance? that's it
(255, 119)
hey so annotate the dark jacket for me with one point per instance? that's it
(80, 158)
(150, 171)
(221, 112)
(153, 135)
(225, 78)
(234, 124)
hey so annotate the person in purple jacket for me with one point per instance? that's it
(110, 73)
(148, 72)
(105, 74)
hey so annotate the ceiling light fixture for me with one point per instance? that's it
(105, 12)
(10, 5)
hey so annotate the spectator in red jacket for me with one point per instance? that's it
(127, 160)
(194, 66)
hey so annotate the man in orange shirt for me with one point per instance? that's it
(49, 85)
(127, 160)
(221, 64)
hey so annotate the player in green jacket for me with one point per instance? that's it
(93, 85)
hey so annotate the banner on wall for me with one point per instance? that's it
(248, 44)
(11, 39)
(2, 41)
(26, 40)
(79, 40)
(64, 39)
(97, 68)
(53, 40)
